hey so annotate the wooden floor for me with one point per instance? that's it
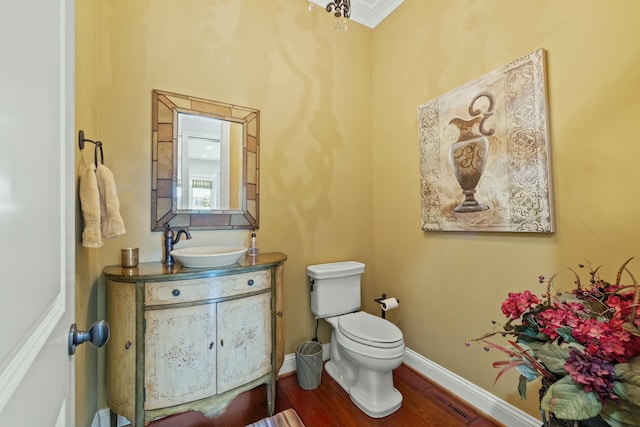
(424, 404)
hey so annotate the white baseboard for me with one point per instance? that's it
(486, 402)
(103, 419)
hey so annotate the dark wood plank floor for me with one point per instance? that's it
(424, 404)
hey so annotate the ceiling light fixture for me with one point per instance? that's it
(341, 9)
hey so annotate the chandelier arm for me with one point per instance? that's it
(346, 8)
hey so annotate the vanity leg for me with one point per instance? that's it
(113, 418)
(271, 396)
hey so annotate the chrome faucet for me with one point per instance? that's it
(170, 239)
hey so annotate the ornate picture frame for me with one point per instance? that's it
(484, 153)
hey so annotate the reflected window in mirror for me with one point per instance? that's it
(204, 163)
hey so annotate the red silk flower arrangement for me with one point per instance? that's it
(584, 344)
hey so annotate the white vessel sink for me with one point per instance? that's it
(208, 256)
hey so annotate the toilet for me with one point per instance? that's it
(364, 348)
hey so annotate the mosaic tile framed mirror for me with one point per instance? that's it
(205, 163)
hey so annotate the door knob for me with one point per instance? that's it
(97, 336)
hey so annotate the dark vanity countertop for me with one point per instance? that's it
(159, 271)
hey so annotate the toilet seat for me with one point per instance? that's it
(370, 330)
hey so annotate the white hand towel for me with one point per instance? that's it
(112, 223)
(90, 204)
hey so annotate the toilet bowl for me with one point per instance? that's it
(364, 348)
(364, 351)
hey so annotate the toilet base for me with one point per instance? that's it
(334, 372)
(371, 391)
(365, 373)
(377, 412)
(384, 400)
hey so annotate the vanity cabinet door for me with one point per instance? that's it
(244, 340)
(180, 361)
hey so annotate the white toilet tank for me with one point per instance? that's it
(335, 288)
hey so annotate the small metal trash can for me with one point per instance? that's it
(309, 364)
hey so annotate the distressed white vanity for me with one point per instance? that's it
(192, 339)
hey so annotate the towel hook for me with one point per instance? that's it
(98, 146)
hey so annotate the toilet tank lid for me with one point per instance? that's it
(335, 269)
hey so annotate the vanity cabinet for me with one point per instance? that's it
(192, 339)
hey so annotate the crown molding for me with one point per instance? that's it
(368, 12)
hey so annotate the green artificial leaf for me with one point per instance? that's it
(518, 360)
(527, 370)
(627, 392)
(627, 385)
(568, 401)
(566, 334)
(522, 387)
(621, 414)
(506, 366)
(569, 297)
(528, 330)
(629, 370)
(553, 356)
(542, 337)
(529, 358)
(534, 345)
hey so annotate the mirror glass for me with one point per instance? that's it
(209, 164)
(204, 163)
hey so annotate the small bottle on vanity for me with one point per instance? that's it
(253, 249)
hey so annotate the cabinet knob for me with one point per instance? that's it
(211, 345)
(127, 346)
(250, 282)
(221, 343)
(279, 313)
(175, 292)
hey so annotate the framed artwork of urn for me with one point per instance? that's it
(484, 153)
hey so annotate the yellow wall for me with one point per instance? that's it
(89, 379)
(451, 284)
(312, 86)
(339, 148)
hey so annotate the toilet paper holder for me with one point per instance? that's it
(383, 303)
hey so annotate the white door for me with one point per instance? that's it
(36, 212)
